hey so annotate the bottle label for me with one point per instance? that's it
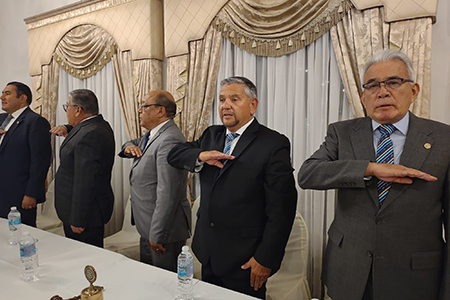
(13, 223)
(181, 270)
(27, 250)
(185, 270)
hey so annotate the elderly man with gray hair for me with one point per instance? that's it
(84, 199)
(391, 170)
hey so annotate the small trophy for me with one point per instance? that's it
(92, 292)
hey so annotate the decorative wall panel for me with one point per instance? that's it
(135, 25)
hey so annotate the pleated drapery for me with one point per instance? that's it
(204, 60)
(46, 86)
(278, 27)
(123, 71)
(84, 50)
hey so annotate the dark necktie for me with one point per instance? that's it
(147, 134)
(230, 138)
(385, 154)
(6, 122)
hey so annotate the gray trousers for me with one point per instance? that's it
(167, 260)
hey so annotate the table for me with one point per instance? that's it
(61, 272)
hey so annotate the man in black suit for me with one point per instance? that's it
(248, 199)
(386, 240)
(84, 198)
(25, 153)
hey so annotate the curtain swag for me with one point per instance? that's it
(85, 50)
(280, 28)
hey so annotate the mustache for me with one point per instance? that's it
(227, 112)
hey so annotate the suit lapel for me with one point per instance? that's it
(74, 131)
(244, 141)
(415, 151)
(16, 123)
(362, 144)
(71, 134)
(362, 140)
(151, 141)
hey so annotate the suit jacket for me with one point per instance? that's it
(248, 207)
(83, 193)
(161, 210)
(25, 155)
(401, 242)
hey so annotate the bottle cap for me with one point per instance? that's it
(13, 207)
(185, 249)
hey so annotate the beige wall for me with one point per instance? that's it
(185, 21)
(401, 9)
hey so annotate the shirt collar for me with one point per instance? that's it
(401, 125)
(241, 130)
(88, 118)
(18, 112)
(155, 130)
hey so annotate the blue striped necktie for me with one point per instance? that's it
(230, 138)
(385, 155)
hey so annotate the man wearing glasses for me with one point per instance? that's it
(161, 210)
(392, 173)
(84, 198)
(25, 153)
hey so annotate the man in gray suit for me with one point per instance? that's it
(386, 240)
(161, 211)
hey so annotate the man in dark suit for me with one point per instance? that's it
(25, 153)
(248, 199)
(386, 238)
(160, 207)
(84, 198)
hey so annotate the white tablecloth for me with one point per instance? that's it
(61, 272)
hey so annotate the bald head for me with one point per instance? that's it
(157, 107)
(166, 100)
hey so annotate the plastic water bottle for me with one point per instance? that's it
(185, 274)
(28, 256)
(15, 225)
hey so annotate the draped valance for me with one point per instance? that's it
(85, 50)
(278, 27)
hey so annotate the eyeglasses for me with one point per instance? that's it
(142, 107)
(65, 106)
(390, 84)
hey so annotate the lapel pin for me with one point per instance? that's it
(427, 146)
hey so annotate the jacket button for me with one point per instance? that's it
(211, 224)
(368, 254)
(378, 221)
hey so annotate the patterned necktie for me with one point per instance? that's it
(147, 134)
(6, 122)
(230, 138)
(385, 154)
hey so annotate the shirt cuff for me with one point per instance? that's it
(198, 165)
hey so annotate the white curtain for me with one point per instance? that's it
(299, 95)
(104, 87)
